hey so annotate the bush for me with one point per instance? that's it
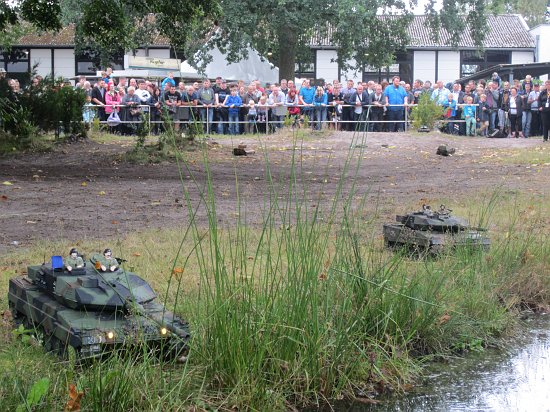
(426, 113)
(48, 107)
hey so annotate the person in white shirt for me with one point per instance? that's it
(143, 94)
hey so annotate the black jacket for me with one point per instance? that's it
(96, 94)
(543, 98)
(519, 104)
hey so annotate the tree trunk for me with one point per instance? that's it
(287, 53)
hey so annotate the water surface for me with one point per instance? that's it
(516, 379)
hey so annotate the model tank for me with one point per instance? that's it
(433, 231)
(94, 307)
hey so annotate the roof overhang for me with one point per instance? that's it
(518, 70)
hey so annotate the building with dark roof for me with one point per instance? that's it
(507, 42)
(55, 53)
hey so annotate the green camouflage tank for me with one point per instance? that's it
(433, 231)
(94, 311)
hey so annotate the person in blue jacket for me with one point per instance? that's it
(469, 114)
(233, 101)
(320, 102)
(306, 99)
(450, 113)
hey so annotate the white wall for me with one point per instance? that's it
(520, 57)
(325, 68)
(64, 62)
(160, 53)
(424, 65)
(355, 75)
(448, 66)
(42, 57)
(543, 33)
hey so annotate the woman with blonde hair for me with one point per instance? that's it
(320, 101)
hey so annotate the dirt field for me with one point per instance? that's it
(83, 190)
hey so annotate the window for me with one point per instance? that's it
(17, 61)
(473, 61)
(88, 62)
(404, 60)
(177, 54)
(305, 66)
(403, 67)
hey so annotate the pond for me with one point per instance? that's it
(515, 379)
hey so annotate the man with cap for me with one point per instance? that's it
(105, 262)
(73, 260)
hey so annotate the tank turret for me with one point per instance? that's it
(435, 220)
(89, 289)
(433, 230)
(93, 310)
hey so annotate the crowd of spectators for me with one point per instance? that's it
(520, 109)
(494, 107)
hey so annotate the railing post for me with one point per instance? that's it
(149, 121)
(406, 118)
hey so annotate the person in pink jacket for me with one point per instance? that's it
(112, 99)
(112, 103)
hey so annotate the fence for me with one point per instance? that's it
(362, 123)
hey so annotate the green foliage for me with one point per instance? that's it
(533, 11)
(426, 113)
(51, 106)
(24, 334)
(42, 14)
(130, 24)
(37, 392)
(353, 27)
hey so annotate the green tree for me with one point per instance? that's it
(533, 11)
(43, 14)
(129, 24)
(284, 28)
(111, 26)
(354, 27)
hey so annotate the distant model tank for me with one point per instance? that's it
(94, 307)
(433, 231)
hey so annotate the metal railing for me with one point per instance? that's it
(364, 122)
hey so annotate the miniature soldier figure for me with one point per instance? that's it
(73, 260)
(105, 262)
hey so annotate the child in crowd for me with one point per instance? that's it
(262, 114)
(88, 111)
(469, 114)
(483, 112)
(234, 102)
(251, 117)
(450, 113)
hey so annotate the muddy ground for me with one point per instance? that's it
(84, 190)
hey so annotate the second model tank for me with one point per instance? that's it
(94, 306)
(433, 231)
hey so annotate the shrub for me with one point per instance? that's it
(426, 113)
(47, 107)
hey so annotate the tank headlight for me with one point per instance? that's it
(110, 335)
(163, 331)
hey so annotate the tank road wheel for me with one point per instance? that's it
(436, 250)
(19, 318)
(55, 346)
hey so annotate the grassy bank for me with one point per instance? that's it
(304, 307)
